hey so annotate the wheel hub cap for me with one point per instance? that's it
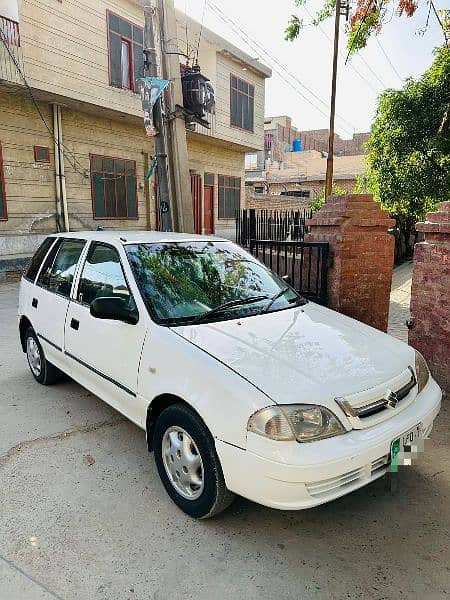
(183, 463)
(34, 356)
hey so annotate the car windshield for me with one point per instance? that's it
(184, 282)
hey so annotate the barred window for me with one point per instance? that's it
(113, 185)
(242, 98)
(229, 196)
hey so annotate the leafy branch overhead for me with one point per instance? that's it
(367, 17)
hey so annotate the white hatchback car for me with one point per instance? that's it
(241, 385)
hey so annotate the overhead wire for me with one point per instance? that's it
(201, 30)
(259, 49)
(388, 59)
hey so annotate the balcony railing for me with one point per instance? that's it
(10, 31)
(10, 51)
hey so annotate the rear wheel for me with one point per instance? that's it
(43, 371)
(187, 463)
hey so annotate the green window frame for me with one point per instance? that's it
(242, 103)
(229, 196)
(113, 188)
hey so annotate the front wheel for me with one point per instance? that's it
(187, 463)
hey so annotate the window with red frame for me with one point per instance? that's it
(113, 186)
(3, 211)
(125, 47)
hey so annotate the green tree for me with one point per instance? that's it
(409, 147)
(366, 17)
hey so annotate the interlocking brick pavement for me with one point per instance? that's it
(400, 300)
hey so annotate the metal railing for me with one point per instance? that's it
(306, 264)
(271, 225)
(10, 51)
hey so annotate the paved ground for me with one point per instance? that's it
(109, 532)
(400, 299)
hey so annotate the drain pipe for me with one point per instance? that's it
(61, 192)
(57, 169)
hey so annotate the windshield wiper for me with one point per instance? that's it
(299, 299)
(226, 305)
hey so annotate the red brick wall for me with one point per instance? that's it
(430, 294)
(359, 280)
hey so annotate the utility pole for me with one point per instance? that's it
(329, 176)
(175, 199)
(151, 70)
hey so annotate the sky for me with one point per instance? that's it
(400, 51)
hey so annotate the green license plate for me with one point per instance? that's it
(406, 447)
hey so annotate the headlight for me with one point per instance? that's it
(422, 372)
(289, 422)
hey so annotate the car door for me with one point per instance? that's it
(104, 354)
(50, 297)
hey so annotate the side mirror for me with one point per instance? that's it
(287, 279)
(115, 309)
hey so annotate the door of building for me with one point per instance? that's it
(196, 191)
(208, 210)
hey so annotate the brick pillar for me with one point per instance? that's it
(362, 255)
(430, 294)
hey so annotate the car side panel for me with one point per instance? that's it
(224, 400)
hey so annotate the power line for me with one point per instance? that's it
(436, 14)
(259, 49)
(37, 107)
(342, 57)
(388, 59)
(201, 30)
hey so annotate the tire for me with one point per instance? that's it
(181, 441)
(43, 371)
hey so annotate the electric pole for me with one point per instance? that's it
(175, 199)
(340, 5)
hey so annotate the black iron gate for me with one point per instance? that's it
(306, 263)
(271, 225)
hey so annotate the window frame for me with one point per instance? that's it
(92, 245)
(4, 216)
(36, 150)
(133, 87)
(219, 187)
(59, 242)
(116, 218)
(52, 240)
(248, 96)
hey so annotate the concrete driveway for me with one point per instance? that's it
(72, 528)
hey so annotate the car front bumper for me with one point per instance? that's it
(292, 476)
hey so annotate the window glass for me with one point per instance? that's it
(229, 196)
(58, 275)
(102, 275)
(180, 281)
(241, 103)
(37, 259)
(113, 186)
(125, 58)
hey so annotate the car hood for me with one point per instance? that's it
(306, 354)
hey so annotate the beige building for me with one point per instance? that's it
(67, 81)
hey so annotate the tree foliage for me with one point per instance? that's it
(409, 146)
(366, 18)
(318, 202)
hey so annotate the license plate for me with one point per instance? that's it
(406, 447)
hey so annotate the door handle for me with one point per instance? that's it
(34, 302)
(75, 324)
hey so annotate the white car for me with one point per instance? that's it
(242, 386)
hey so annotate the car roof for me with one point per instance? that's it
(141, 237)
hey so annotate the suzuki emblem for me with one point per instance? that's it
(392, 400)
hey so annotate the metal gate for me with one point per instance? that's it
(306, 263)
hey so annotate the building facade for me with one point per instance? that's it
(71, 126)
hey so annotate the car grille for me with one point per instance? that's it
(352, 479)
(369, 407)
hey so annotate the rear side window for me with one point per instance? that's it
(59, 271)
(37, 259)
(102, 275)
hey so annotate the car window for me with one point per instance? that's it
(57, 275)
(102, 275)
(37, 259)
